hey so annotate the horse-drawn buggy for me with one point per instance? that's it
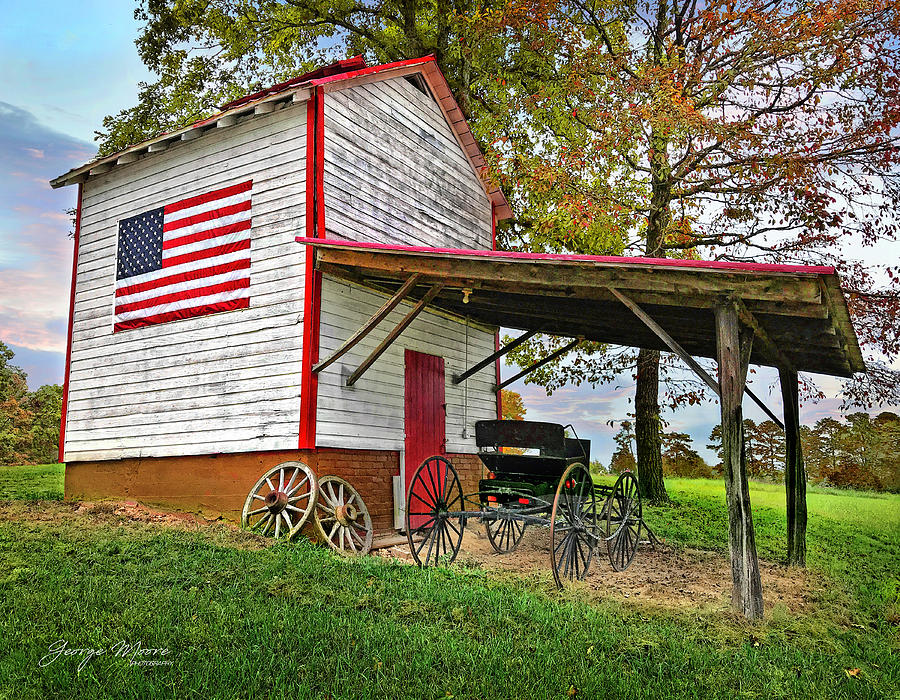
(536, 476)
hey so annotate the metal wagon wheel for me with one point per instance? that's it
(624, 514)
(505, 534)
(434, 492)
(341, 517)
(282, 501)
(574, 531)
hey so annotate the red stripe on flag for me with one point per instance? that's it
(183, 313)
(242, 283)
(242, 264)
(206, 235)
(243, 244)
(208, 197)
(207, 216)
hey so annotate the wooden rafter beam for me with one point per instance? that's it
(667, 339)
(770, 348)
(394, 334)
(493, 357)
(370, 325)
(540, 363)
(683, 354)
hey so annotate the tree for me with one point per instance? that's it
(512, 406)
(770, 450)
(730, 129)
(623, 458)
(29, 422)
(681, 459)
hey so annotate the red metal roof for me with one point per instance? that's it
(610, 259)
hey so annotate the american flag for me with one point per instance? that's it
(185, 259)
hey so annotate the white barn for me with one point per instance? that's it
(190, 359)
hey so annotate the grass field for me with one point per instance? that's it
(242, 619)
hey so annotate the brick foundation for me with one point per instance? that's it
(215, 485)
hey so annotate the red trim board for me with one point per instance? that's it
(65, 396)
(312, 297)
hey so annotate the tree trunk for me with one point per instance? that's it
(646, 400)
(646, 428)
(794, 470)
(733, 350)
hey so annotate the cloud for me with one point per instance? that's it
(35, 247)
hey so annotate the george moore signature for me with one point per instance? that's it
(135, 654)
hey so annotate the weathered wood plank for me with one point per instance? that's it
(794, 470)
(733, 357)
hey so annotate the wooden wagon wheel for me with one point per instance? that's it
(434, 492)
(505, 534)
(574, 531)
(281, 502)
(624, 517)
(341, 517)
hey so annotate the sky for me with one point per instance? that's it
(63, 67)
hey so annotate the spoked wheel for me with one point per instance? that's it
(574, 532)
(341, 517)
(434, 536)
(281, 502)
(624, 515)
(505, 534)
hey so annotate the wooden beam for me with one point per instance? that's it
(667, 339)
(369, 325)
(770, 348)
(394, 334)
(733, 352)
(495, 356)
(794, 470)
(765, 409)
(540, 363)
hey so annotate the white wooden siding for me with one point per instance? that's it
(370, 414)
(227, 382)
(394, 172)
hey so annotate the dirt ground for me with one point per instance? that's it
(658, 577)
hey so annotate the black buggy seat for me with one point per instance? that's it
(548, 454)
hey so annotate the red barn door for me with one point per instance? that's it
(425, 413)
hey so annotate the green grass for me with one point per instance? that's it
(244, 620)
(32, 482)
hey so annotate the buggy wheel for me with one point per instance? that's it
(624, 515)
(281, 502)
(341, 517)
(574, 532)
(505, 534)
(434, 537)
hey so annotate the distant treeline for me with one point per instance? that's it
(860, 451)
(29, 420)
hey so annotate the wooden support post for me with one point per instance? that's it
(369, 325)
(496, 356)
(394, 334)
(540, 363)
(733, 351)
(794, 470)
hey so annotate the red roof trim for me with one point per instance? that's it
(372, 70)
(611, 259)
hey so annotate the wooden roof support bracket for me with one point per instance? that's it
(683, 354)
(394, 334)
(495, 356)
(668, 340)
(540, 363)
(770, 348)
(370, 325)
